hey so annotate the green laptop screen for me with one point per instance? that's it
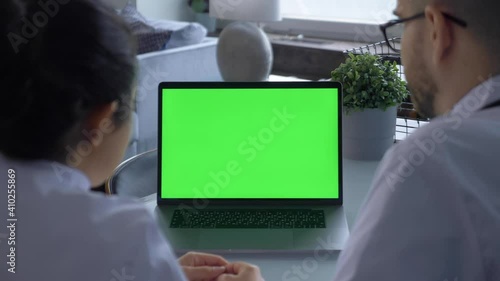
(263, 143)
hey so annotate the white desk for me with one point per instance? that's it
(300, 267)
(358, 176)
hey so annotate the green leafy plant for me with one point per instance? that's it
(199, 6)
(370, 82)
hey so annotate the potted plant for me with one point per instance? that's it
(201, 9)
(373, 90)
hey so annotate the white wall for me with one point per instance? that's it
(165, 9)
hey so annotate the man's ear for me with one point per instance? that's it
(100, 122)
(441, 33)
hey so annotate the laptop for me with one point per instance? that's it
(251, 167)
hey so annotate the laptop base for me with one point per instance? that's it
(331, 238)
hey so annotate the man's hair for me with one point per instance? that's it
(60, 61)
(482, 17)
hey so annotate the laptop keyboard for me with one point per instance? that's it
(249, 218)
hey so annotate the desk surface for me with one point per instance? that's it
(310, 266)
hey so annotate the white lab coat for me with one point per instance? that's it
(433, 211)
(66, 232)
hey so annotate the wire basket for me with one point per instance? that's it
(408, 118)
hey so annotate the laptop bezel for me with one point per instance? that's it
(195, 202)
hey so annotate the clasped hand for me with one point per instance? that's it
(207, 267)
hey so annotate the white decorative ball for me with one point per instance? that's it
(244, 53)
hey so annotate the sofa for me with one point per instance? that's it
(168, 51)
(189, 63)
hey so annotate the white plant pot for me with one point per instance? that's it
(368, 134)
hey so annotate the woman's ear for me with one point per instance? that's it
(100, 122)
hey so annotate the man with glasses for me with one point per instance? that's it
(433, 212)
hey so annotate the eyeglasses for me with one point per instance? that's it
(393, 30)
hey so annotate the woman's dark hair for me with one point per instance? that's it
(60, 59)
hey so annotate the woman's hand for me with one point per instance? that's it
(202, 267)
(241, 271)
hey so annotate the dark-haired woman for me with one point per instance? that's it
(67, 74)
